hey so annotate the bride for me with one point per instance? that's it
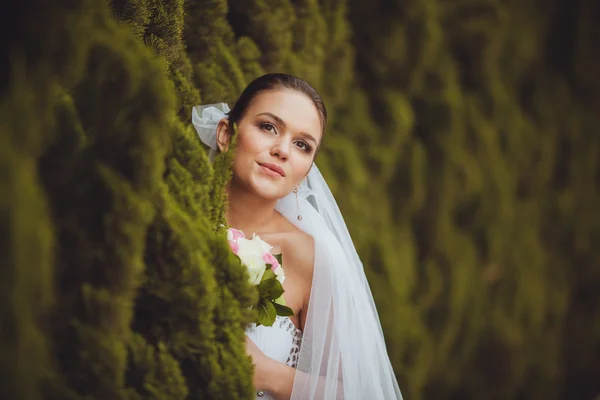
(333, 346)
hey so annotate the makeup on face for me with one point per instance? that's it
(277, 140)
(272, 170)
(274, 124)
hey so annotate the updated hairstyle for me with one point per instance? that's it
(272, 82)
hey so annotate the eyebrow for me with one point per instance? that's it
(281, 122)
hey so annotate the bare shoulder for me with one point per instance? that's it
(298, 248)
(298, 252)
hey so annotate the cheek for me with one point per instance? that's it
(245, 149)
(250, 142)
(301, 168)
(249, 148)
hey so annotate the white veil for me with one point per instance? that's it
(343, 353)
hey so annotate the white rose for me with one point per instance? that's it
(250, 252)
(261, 245)
(279, 275)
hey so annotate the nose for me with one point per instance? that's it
(281, 149)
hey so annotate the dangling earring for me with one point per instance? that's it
(297, 205)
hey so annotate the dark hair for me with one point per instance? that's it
(272, 82)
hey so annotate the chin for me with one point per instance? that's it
(269, 190)
(270, 194)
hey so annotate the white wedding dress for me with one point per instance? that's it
(280, 342)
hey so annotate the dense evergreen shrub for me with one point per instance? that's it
(462, 148)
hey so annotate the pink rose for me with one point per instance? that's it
(275, 266)
(234, 246)
(270, 259)
(233, 236)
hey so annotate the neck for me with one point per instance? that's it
(248, 212)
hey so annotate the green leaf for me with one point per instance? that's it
(279, 258)
(266, 313)
(269, 274)
(282, 310)
(280, 300)
(270, 289)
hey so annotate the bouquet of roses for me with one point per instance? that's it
(266, 274)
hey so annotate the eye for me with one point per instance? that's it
(303, 146)
(268, 127)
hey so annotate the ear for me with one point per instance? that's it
(223, 135)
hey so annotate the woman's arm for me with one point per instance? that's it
(270, 375)
(279, 380)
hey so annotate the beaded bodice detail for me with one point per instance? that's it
(287, 325)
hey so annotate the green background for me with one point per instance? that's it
(463, 147)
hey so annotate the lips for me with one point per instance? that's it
(273, 167)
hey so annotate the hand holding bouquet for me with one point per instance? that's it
(265, 273)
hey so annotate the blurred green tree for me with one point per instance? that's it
(461, 146)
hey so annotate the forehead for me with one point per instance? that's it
(295, 108)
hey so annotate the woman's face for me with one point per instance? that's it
(277, 139)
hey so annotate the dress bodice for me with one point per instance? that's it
(280, 342)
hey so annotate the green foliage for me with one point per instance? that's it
(270, 24)
(266, 312)
(154, 371)
(460, 143)
(475, 194)
(101, 197)
(26, 247)
(159, 24)
(108, 204)
(249, 56)
(270, 302)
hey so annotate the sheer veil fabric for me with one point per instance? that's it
(343, 353)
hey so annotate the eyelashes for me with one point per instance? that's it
(306, 147)
(270, 128)
(265, 126)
